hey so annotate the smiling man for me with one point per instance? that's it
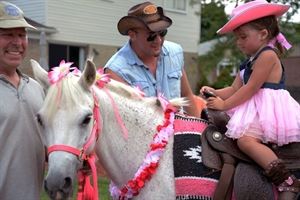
(147, 61)
(22, 153)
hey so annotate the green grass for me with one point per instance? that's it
(103, 190)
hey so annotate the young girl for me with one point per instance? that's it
(261, 110)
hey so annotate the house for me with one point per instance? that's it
(72, 30)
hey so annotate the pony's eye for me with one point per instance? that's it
(39, 120)
(86, 120)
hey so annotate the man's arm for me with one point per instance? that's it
(186, 92)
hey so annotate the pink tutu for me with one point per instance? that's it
(270, 115)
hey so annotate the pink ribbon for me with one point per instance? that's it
(281, 40)
(165, 104)
(117, 114)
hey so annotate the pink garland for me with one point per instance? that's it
(150, 163)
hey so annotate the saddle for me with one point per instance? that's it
(222, 153)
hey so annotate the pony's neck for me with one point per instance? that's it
(141, 119)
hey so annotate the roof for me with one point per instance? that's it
(41, 27)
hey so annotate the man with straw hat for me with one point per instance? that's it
(147, 61)
(22, 153)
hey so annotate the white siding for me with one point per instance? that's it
(185, 29)
(81, 22)
(95, 21)
(33, 9)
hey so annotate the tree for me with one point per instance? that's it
(212, 18)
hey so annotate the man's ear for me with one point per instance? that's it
(132, 34)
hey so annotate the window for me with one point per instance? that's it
(58, 52)
(178, 5)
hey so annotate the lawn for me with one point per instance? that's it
(103, 190)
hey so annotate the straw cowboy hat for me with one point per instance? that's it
(251, 11)
(144, 15)
(12, 17)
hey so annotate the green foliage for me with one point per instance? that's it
(295, 5)
(224, 80)
(212, 18)
(209, 62)
(291, 32)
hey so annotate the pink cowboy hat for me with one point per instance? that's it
(250, 11)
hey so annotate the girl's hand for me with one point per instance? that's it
(206, 88)
(215, 103)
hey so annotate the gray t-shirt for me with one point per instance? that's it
(22, 154)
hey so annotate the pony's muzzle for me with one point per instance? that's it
(57, 190)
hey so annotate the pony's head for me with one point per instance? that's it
(60, 126)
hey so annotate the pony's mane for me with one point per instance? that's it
(124, 90)
(134, 93)
(66, 93)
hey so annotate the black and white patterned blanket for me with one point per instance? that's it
(193, 180)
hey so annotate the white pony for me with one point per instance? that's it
(66, 118)
(76, 112)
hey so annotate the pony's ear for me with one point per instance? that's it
(40, 74)
(89, 75)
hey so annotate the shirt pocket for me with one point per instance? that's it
(174, 79)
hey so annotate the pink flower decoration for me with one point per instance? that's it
(101, 78)
(59, 72)
(76, 71)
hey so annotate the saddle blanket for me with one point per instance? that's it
(193, 180)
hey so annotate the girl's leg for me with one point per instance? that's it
(259, 152)
(287, 184)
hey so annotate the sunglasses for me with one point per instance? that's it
(153, 35)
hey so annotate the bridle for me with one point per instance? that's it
(84, 154)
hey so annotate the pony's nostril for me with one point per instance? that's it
(68, 183)
(67, 189)
(45, 186)
(51, 194)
